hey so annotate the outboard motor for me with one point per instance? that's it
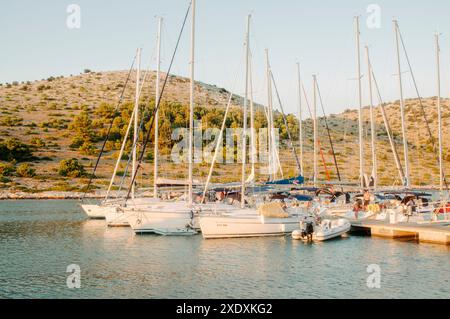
(309, 228)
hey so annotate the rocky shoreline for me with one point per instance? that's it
(9, 195)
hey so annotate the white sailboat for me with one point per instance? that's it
(108, 209)
(260, 219)
(171, 217)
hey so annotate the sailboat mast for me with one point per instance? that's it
(158, 71)
(300, 119)
(360, 113)
(244, 133)
(407, 181)
(136, 116)
(252, 120)
(439, 109)
(372, 123)
(315, 128)
(269, 112)
(191, 104)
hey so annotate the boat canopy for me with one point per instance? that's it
(291, 181)
(272, 210)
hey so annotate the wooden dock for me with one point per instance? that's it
(438, 233)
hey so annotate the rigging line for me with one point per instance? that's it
(217, 148)
(109, 128)
(328, 131)
(125, 172)
(126, 136)
(140, 128)
(156, 108)
(388, 129)
(285, 122)
(318, 139)
(427, 123)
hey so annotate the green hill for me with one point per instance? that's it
(45, 122)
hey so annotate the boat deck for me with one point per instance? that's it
(428, 232)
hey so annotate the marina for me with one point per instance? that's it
(289, 180)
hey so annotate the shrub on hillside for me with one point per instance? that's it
(36, 141)
(25, 170)
(76, 142)
(14, 150)
(11, 121)
(7, 169)
(105, 110)
(71, 168)
(88, 148)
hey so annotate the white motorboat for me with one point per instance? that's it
(328, 229)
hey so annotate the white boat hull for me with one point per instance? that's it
(101, 211)
(169, 218)
(97, 211)
(246, 226)
(335, 228)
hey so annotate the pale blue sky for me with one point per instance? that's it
(35, 42)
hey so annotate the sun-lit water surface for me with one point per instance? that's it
(39, 239)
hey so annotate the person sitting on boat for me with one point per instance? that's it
(220, 196)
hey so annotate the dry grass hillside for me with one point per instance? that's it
(41, 114)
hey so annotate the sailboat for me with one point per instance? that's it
(262, 218)
(176, 217)
(109, 209)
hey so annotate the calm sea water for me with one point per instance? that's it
(39, 239)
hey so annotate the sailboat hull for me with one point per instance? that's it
(97, 211)
(164, 219)
(241, 227)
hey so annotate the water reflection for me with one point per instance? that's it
(39, 240)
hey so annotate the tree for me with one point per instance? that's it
(71, 168)
(14, 150)
(84, 134)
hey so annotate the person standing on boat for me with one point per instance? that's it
(366, 199)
